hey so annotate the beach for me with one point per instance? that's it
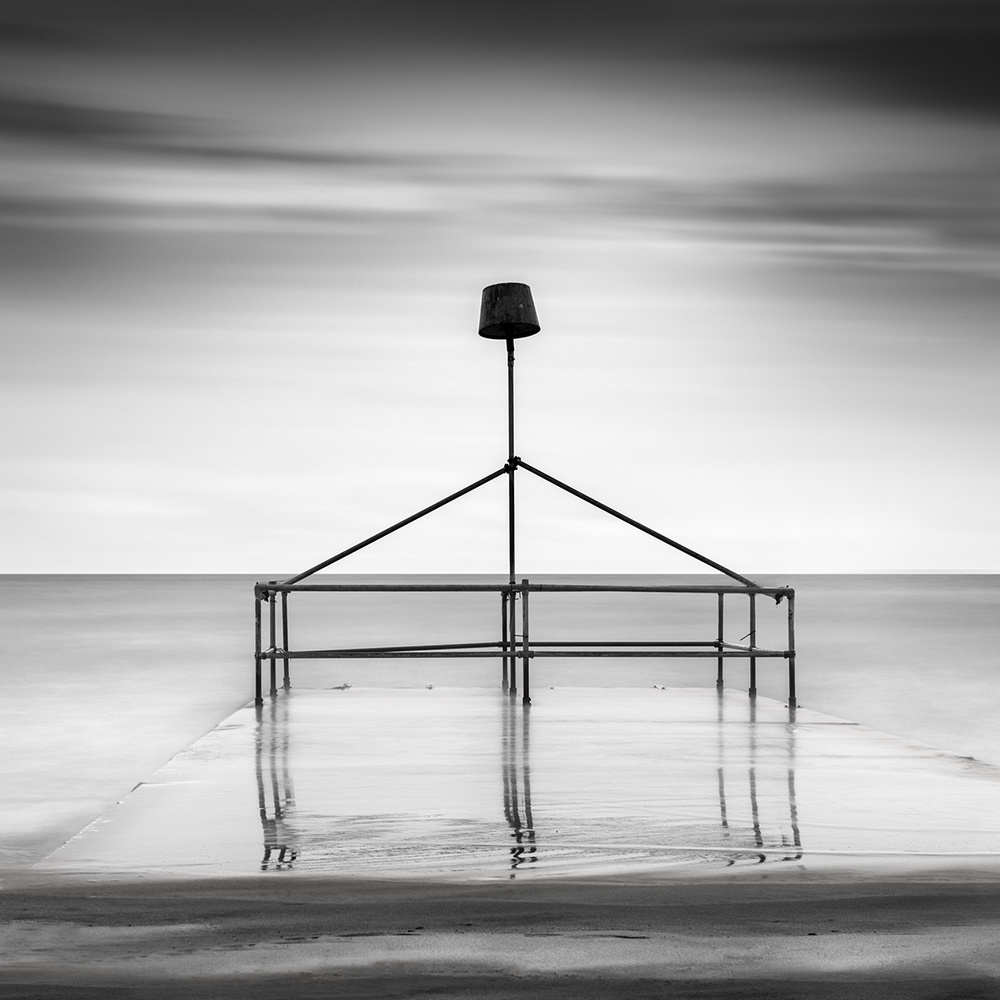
(736, 849)
(433, 840)
(756, 936)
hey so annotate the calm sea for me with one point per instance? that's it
(107, 677)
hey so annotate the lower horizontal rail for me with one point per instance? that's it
(714, 653)
(430, 647)
(627, 643)
(517, 650)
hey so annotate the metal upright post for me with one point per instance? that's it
(273, 645)
(284, 636)
(512, 608)
(719, 677)
(753, 642)
(526, 690)
(791, 650)
(510, 512)
(258, 697)
(503, 639)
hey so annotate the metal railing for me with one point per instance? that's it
(512, 645)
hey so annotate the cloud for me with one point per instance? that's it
(81, 126)
(932, 54)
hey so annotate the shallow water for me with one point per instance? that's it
(459, 782)
(106, 677)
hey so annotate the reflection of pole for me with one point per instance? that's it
(722, 760)
(506, 766)
(280, 850)
(758, 836)
(517, 787)
(793, 809)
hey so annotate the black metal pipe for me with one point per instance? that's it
(273, 642)
(720, 681)
(258, 697)
(791, 651)
(680, 653)
(494, 588)
(403, 654)
(503, 639)
(428, 647)
(753, 642)
(598, 643)
(284, 636)
(525, 654)
(637, 524)
(511, 461)
(395, 527)
(512, 637)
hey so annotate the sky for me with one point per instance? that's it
(242, 249)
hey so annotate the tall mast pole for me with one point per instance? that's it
(510, 454)
(508, 313)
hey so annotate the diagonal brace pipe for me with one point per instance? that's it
(397, 526)
(636, 524)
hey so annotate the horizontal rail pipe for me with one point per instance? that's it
(493, 588)
(402, 654)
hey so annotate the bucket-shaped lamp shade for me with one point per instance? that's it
(508, 312)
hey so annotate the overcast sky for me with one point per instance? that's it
(242, 249)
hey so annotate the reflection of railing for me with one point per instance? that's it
(792, 844)
(517, 787)
(275, 792)
(513, 646)
(755, 770)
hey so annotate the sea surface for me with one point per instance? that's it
(106, 678)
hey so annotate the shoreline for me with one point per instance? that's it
(796, 934)
(524, 855)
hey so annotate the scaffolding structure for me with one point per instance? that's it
(507, 314)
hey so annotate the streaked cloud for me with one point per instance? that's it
(243, 255)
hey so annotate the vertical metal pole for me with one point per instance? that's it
(273, 645)
(526, 690)
(258, 698)
(503, 639)
(791, 651)
(284, 636)
(512, 690)
(753, 642)
(719, 678)
(510, 457)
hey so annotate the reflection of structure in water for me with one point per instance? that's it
(517, 785)
(728, 756)
(276, 793)
(721, 795)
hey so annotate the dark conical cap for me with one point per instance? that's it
(508, 312)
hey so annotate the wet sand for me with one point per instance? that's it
(788, 936)
(664, 843)
(451, 783)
